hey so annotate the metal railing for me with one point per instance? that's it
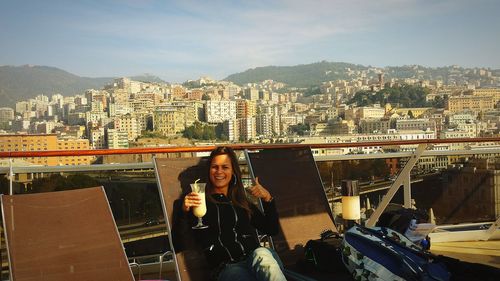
(420, 150)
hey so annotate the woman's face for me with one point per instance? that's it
(221, 172)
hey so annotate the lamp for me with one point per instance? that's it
(350, 200)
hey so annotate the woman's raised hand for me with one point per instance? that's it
(192, 199)
(259, 191)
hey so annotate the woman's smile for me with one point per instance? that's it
(221, 173)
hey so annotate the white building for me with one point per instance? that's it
(220, 111)
(456, 134)
(97, 138)
(116, 139)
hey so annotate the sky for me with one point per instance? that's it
(181, 40)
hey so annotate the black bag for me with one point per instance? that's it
(325, 254)
(400, 219)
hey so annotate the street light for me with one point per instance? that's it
(128, 207)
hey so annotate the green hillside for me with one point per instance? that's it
(301, 76)
(24, 82)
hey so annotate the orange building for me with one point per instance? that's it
(46, 142)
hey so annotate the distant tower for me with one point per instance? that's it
(381, 80)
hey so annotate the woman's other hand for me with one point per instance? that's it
(259, 191)
(191, 200)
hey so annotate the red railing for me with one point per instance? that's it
(157, 150)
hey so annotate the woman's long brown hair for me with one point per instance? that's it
(236, 191)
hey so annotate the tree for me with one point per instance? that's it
(219, 132)
(57, 182)
(200, 131)
(300, 129)
(405, 96)
(438, 102)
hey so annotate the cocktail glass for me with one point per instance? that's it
(199, 211)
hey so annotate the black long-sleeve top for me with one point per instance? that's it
(231, 234)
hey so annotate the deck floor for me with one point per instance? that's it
(484, 252)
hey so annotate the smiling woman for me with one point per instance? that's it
(230, 241)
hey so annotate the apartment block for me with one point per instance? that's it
(415, 124)
(128, 124)
(194, 94)
(168, 121)
(492, 92)
(370, 112)
(220, 111)
(471, 103)
(178, 92)
(46, 142)
(116, 139)
(456, 134)
(342, 127)
(97, 138)
(372, 125)
(6, 114)
(251, 94)
(264, 125)
(71, 144)
(245, 108)
(231, 129)
(247, 128)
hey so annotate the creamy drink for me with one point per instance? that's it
(199, 211)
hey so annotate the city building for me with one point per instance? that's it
(415, 124)
(46, 142)
(116, 139)
(251, 94)
(168, 121)
(247, 128)
(470, 103)
(128, 124)
(220, 111)
(6, 114)
(245, 108)
(367, 126)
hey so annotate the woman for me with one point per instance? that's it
(230, 242)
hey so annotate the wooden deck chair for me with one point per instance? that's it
(292, 177)
(66, 235)
(174, 176)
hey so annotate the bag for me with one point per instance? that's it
(410, 222)
(325, 254)
(400, 219)
(384, 254)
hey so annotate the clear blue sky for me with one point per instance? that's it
(180, 40)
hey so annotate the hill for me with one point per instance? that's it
(312, 75)
(301, 76)
(27, 81)
(24, 82)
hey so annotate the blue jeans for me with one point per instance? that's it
(262, 265)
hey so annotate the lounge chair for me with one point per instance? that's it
(292, 177)
(174, 176)
(66, 235)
